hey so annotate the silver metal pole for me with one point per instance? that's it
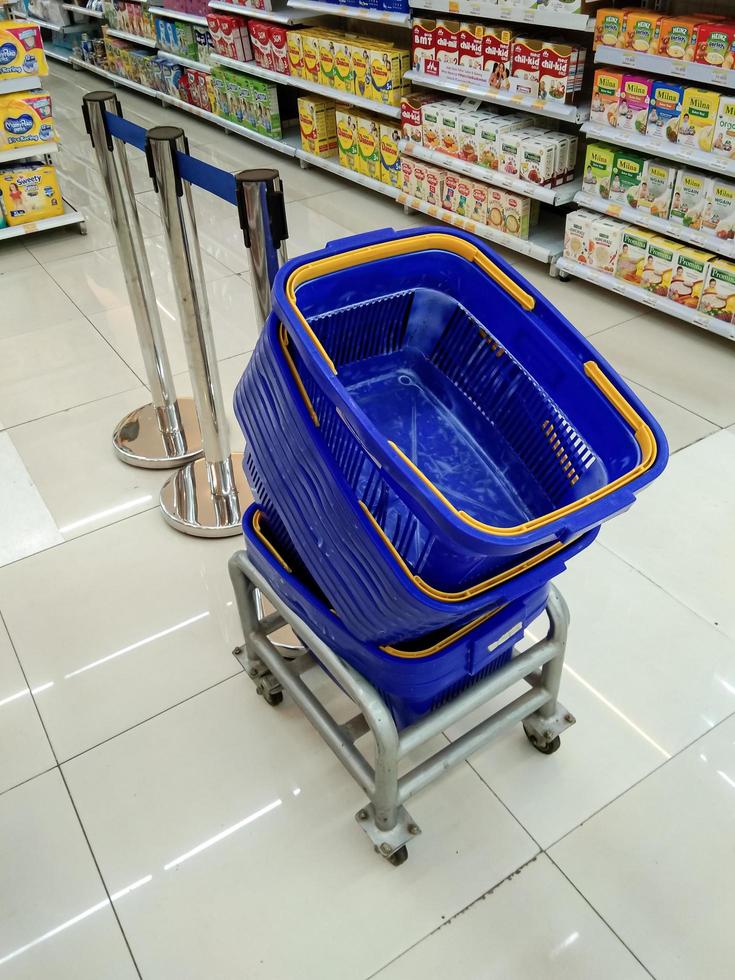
(164, 433)
(207, 497)
(263, 221)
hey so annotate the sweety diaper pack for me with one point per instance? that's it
(30, 193)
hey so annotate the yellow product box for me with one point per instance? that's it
(718, 296)
(660, 264)
(26, 120)
(21, 50)
(318, 126)
(346, 125)
(30, 193)
(390, 158)
(310, 43)
(724, 139)
(295, 49)
(633, 254)
(368, 147)
(344, 74)
(327, 54)
(687, 281)
(698, 118)
(642, 31)
(517, 215)
(387, 66)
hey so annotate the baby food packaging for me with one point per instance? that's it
(598, 168)
(664, 112)
(346, 125)
(411, 115)
(407, 175)
(691, 191)
(390, 159)
(492, 129)
(678, 37)
(687, 281)
(497, 43)
(470, 127)
(279, 48)
(327, 49)
(30, 193)
(577, 235)
(516, 215)
(657, 188)
(434, 185)
(368, 146)
(536, 160)
(449, 129)
(718, 217)
(318, 126)
(525, 68)
(26, 120)
(387, 67)
(431, 123)
(451, 191)
(659, 265)
(698, 117)
(21, 50)
(344, 75)
(642, 31)
(633, 254)
(423, 43)
(478, 204)
(724, 137)
(496, 208)
(715, 45)
(718, 296)
(604, 244)
(627, 175)
(606, 89)
(510, 143)
(295, 49)
(635, 98)
(561, 69)
(260, 42)
(609, 23)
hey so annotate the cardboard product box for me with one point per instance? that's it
(558, 77)
(346, 122)
(423, 44)
(642, 31)
(719, 212)
(691, 192)
(451, 191)
(447, 42)
(318, 126)
(605, 240)
(678, 37)
(390, 158)
(510, 144)
(657, 188)
(463, 203)
(264, 96)
(26, 119)
(627, 176)
(687, 281)
(387, 66)
(470, 126)
(478, 203)
(565, 155)
(496, 208)
(30, 192)
(22, 50)
(492, 129)
(431, 124)
(497, 45)
(517, 216)
(361, 69)
(449, 127)
(434, 185)
(407, 175)
(193, 87)
(609, 23)
(718, 296)
(635, 99)
(469, 51)
(715, 45)
(279, 48)
(606, 88)
(310, 46)
(577, 235)
(344, 75)
(598, 169)
(537, 160)
(368, 146)
(723, 143)
(260, 41)
(659, 265)
(295, 53)
(698, 117)
(633, 254)
(664, 112)
(327, 56)
(411, 115)
(525, 68)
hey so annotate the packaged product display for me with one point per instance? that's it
(689, 201)
(718, 295)
(700, 37)
(664, 112)
(30, 192)
(21, 50)
(318, 126)
(26, 120)
(698, 116)
(723, 143)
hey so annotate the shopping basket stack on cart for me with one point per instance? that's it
(429, 442)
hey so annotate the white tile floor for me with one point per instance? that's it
(157, 820)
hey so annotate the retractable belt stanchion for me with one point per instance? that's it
(164, 433)
(262, 212)
(207, 497)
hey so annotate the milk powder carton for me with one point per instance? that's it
(664, 112)
(687, 281)
(318, 126)
(689, 200)
(368, 147)
(346, 122)
(657, 188)
(605, 239)
(390, 160)
(633, 254)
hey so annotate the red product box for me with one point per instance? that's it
(260, 39)
(525, 65)
(229, 36)
(715, 45)
(411, 124)
(470, 45)
(497, 47)
(423, 43)
(447, 41)
(279, 48)
(558, 72)
(192, 86)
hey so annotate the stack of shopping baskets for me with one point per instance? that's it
(428, 442)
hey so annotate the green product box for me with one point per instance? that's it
(186, 45)
(267, 119)
(598, 168)
(627, 176)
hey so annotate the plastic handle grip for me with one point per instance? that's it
(361, 240)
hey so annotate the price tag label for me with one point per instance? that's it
(721, 77)
(529, 17)
(628, 59)
(538, 104)
(614, 209)
(505, 12)
(677, 68)
(453, 7)
(30, 228)
(618, 287)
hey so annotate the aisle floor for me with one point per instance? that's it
(158, 820)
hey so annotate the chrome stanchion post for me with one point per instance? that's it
(164, 433)
(263, 221)
(207, 497)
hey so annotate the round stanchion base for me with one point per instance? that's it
(188, 504)
(138, 440)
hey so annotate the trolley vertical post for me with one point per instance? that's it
(205, 498)
(262, 211)
(164, 433)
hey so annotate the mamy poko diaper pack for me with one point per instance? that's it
(21, 50)
(30, 193)
(26, 120)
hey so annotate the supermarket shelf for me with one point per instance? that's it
(26, 152)
(554, 110)
(286, 145)
(9, 85)
(484, 8)
(545, 245)
(549, 195)
(672, 151)
(57, 54)
(643, 220)
(96, 14)
(634, 292)
(58, 29)
(660, 65)
(251, 68)
(280, 16)
(333, 166)
(178, 15)
(147, 42)
(69, 217)
(186, 62)
(348, 10)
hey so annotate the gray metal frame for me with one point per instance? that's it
(385, 819)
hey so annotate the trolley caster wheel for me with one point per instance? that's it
(545, 748)
(273, 698)
(399, 857)
(564, 276)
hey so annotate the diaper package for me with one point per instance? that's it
(30, 193)
(21, 50)
(26, 120)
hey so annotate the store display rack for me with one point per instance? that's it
(554, 110)
(334, 167)
(724, 247)
(69, 217)
(186, 62)
(634, 292)
(281, 15)
(656, 64)
(556, 196)
(56, 28)
(353, 12)
(148, 42)
(491, 11)
(178, 15)
(251, 68)
(9, 85)
(26, 152)
(57, 54)
(84, 11)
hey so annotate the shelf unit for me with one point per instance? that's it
(83, 11)
(186, 62)
(556, 196)
(69, 217)
(55, 28)
(280, 16)
(687, 155)
(57, 54)
(147, 42)
(554, 110)
(178, 15)
(8, 85)
(26, 152)
(657, 64)
(545, 243)
(333, 165)
(634, 292)
(251, 68)
(635, 217)
(491, 11)
(355, 13)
